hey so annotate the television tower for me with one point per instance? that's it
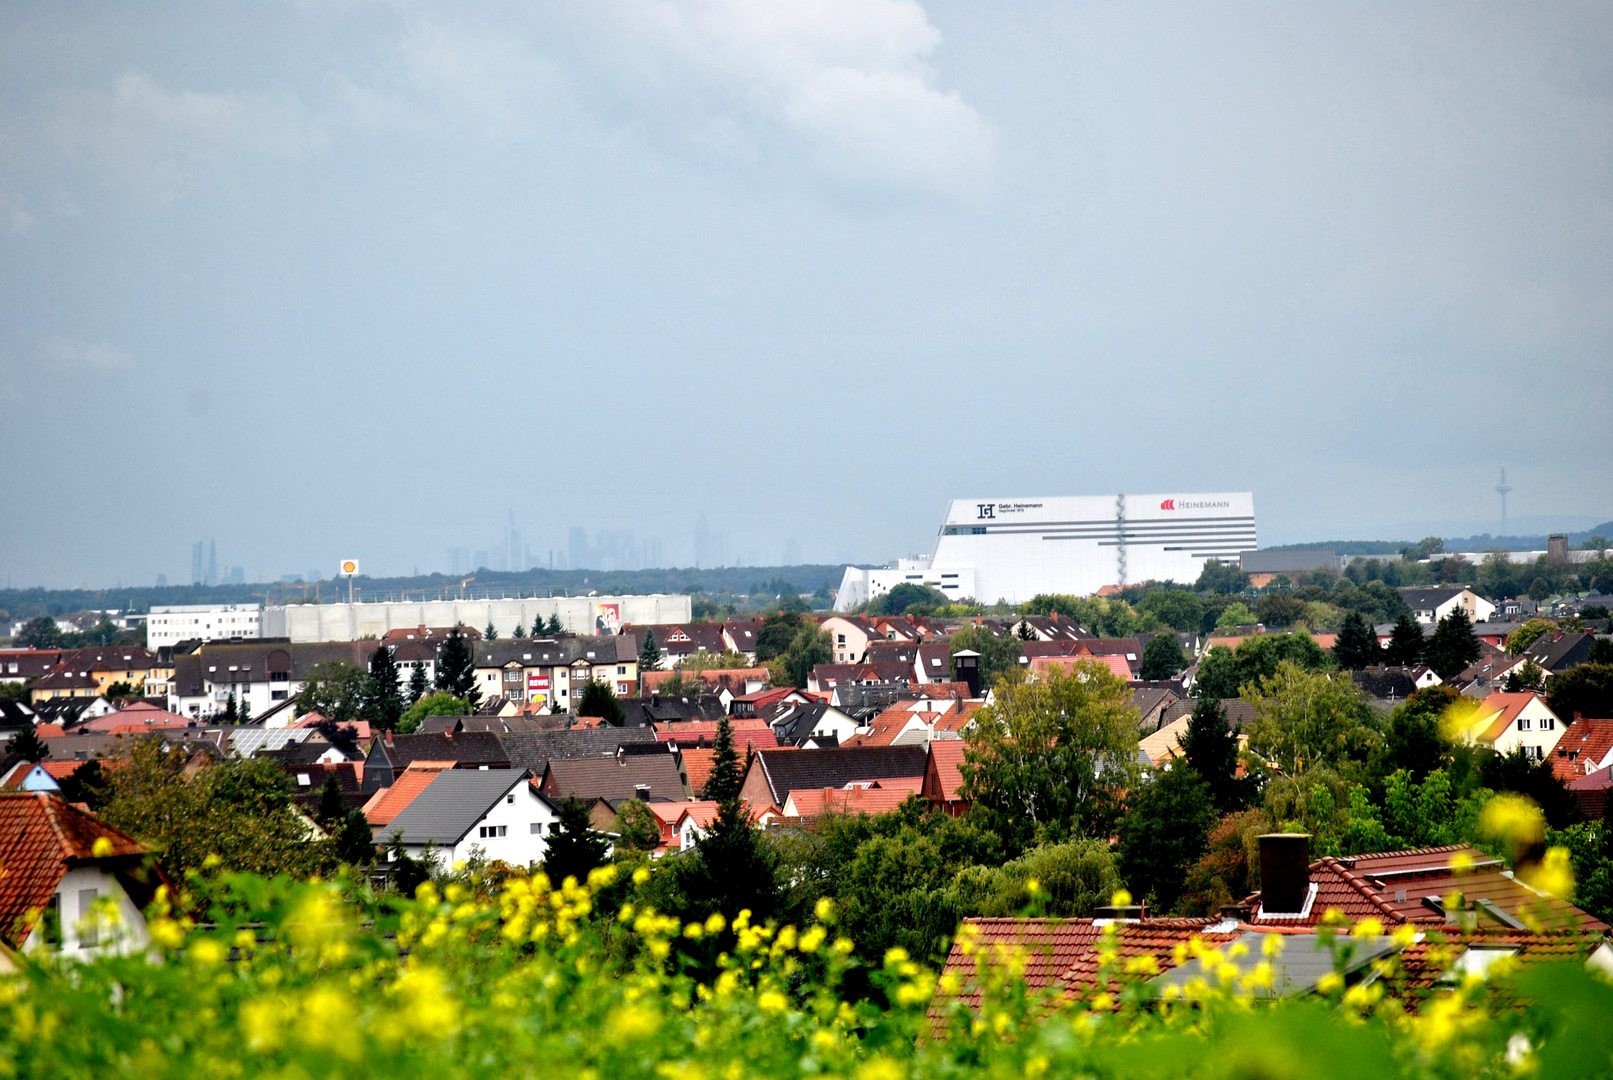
(1501, 489)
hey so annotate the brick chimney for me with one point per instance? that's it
(1285, 874)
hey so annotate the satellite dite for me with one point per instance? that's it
(1013, 549)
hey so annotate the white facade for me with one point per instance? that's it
(208, 622)
(1013, 549)
(515, 830)
(578, 615)
(96, 916)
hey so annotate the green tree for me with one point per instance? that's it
(491, 633)
(1304, 718)
(649, 654)
(1210, 748)
(231, 715)
(1357, 646)
(1050, 758)
(382, 704)
(999, 656)
(1416, 739)
(1163, 834)
(440, 703)
(701, 660)
(456, 667)
(240, 810)
(724, 780)
(1453, 646)
(576, 848)
(243, 711)
(637, 828)
(332, 807)
(1220, 577)
(27, 745)
(1406, 642)
(87, 784)
(1281, 608)
(777, 633)
(1526, 676)
(1527, 634)
(554, 624)
(599, 700)
(810, 648)
(1178, 609)
(334, 689)
(1235, 615)
(39, 632)
(1517, 772)
(1024, 631)
(355, 843)
(418, 686)
(1582, 690)
(907, 598)
(1162, 657)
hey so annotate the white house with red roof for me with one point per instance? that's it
(1504, 722)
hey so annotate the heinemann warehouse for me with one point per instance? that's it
(1013, 549)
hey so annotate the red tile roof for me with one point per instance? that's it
(888, 796)
(389, 802)
(137, 717)
(945, 757)
(1582, 748)
(39, 835)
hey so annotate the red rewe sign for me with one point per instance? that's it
(1168, 504)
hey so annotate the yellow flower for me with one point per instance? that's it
(715, 923)
(771, 1002)
(633, 1022)
(880, 1068)
(824, 910)
(1330, 983)
(1513, 819)
(694, 930)
(812, 939)
(1368, 927)
(207, 951)
(641, 875)
(1121, 899)
(102, 847)
(895, 955)
(1272, 946)
(1554, 874)
(262, 1020)
(165, 932)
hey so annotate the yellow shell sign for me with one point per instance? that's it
(349, 566)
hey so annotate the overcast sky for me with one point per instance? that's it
(327, 280)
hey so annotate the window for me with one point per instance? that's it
(1523, 723)
(88, 932)
(621, 669)
(490, 831)
(510, 798)
(537, 828)
(1547, 723)
(842, 638)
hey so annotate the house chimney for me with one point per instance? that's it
(1285, 872)
(641, 792)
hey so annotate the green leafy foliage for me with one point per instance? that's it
(335, 690)
(1163, 834)
(999, 656)
(1453, 646)
(1583, 690)
(575, 847)
(441, 703)
(1162, 657)
(1210, 748)
(1223, 672)
(908, 599)
(1304, 718)
(600, 701)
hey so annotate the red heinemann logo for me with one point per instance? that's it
(1168, 504)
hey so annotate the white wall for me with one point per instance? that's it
(520, 846)
(350, 622)
(210, 622)
(127, 936)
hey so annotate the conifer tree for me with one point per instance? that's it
(723, 781)
(418, 687)
(243, 713)
(1357, 646)
(1025, 632)
(382, 704)
(1406, 642)
(332, 808)
(29, 745)
(1210, 748)
(491, 633)
(649, 654)
(230, 712)
(519, 632)
(355, 843)
(1453, 646)
(576, 848)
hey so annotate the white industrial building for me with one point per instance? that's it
(578, 615)
(204, 622)
(1013, 549)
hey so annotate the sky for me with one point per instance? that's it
(360, 279)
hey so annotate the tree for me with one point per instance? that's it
(811, 646)
(1526, 676)
(723, 782)
(1025, 633)
(38, 633)
(1416, 740)
(1453, 646)
(491, 633)
(777, 633)
(87, 784)
(418, 686)
(1406, 642)
(1582, 690)
(1162, 657)
(598, 700)
(1357, 646)
(1210, 748)
(1303, 718)
(231, 714)
(1220, 577)
(332, 807)
(576, 848)
(554, 624)
(518, 632)
(1223, 673)
(334, 689)
(908, 598)
(27, 745)
(703, 660)
(440, 703)
(1176, 608)
(355, 843)
(1527, 634)
(383, 701)
(119, 690)
(637, 827)
(1050, 758)
(1164, 833)
(243, 711)
(649, 654)
(1281, 609)
(1234, 615)
(1517, 772)
(456, 667)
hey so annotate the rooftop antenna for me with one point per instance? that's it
(1501, 489)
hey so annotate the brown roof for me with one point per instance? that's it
(1582, 748)
(40, 835)
(614, 777)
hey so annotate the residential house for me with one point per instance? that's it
(827, 677)
(259, 674)
(21, 665)
(1585, 747)
(535, 749)
(462, 813)
(648, 772)
(660, 708)
(773, 774)
(740, 636)
(1430, 604)
(390, 801)
(849, 635)
(71, 882)
(90, 671)
(1495, 632)
(1560, 650)
(553, 672)
(391, 754)
(1052, 627)
(872, 800)
(943, 777)
(679, 641)
(1505, 722)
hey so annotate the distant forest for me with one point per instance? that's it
(1482, 542)
(733, 581)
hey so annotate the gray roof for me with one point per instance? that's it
(531, 750)
(1426, 598)
(550, 652)
(1296, 561)
(453, 803)
(1296, 970)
